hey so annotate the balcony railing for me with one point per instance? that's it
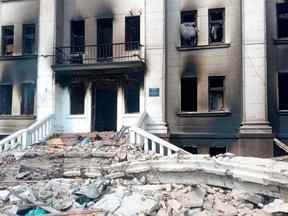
(99, 54)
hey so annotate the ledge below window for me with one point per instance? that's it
(209, 46)
(281, 41)
(204, 114)
(17, 57)
(17, 117)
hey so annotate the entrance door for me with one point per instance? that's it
(105, 39)
(104, 109)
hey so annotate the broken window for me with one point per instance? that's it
(214, 151)
(28, 39)
(216, 94)
(7, 40)
(77, 36)
(216, 25)
(189, 94)
(27, 102)
(282, 18)
(77, 98)
(283, 91)
(132, 32)
(132, 98)
(5, 99)
(188, 29)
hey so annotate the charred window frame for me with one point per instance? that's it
(77, 36)
(283, 91)
(189, 94)
(189, 21)
(132, 32)
(282, 20)
(7, 40)
(132, 98)
(29, 38)
(6, 93)
(77, 98)
(216, 25)
(27, 98)
(216, 94)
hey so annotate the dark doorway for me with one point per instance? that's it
(104, 111)
(105, 39)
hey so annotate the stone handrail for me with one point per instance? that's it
(281, 145)
(36, 133)
(152, 143)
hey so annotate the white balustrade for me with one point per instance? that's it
(36, 133)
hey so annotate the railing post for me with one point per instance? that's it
(153, 147)
(146, 145)
(25, 140)
(161, 150)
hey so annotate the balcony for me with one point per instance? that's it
(98, 59)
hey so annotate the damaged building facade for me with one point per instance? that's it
(209, 74)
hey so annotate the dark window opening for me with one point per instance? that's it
(216, 25)
(6, 99)
(216, 94)
(7, 40)
(29, 39)
(132, 98)
(27, 102)
(282, 19)
(77, 98)
(189, 94)
(132, 32)
(192, 150)
(188, 29)
(283, 91)
(77, 36)
(214, 151)
(105, 39)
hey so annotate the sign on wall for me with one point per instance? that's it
(154, 92)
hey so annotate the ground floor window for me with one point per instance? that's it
(6, 99)
(132, 98)
(283, 91)
(27, 98)
(214, 151)
(77, 98)
(216, 93)
(189, 94)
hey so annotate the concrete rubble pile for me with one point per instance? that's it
(101, 176)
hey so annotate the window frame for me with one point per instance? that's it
(135, 46)
(195, 14)
(24, 51)
(224, 25)
(3, 46)
(216, 89)
(11, 104)
(22, 91)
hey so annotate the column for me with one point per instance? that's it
(47, 38)
(255, 133)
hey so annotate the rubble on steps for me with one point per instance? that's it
(86, 175)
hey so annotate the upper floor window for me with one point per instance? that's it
(216, 25)
(188, 28)
(132, 32)
(6, 99)
(7, 40)
(216, 93)
(282, 18)
(27, 98)
(29, 39)
(77, 36)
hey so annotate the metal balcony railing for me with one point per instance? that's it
(99, 54)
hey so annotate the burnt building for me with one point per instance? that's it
(210, 75)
